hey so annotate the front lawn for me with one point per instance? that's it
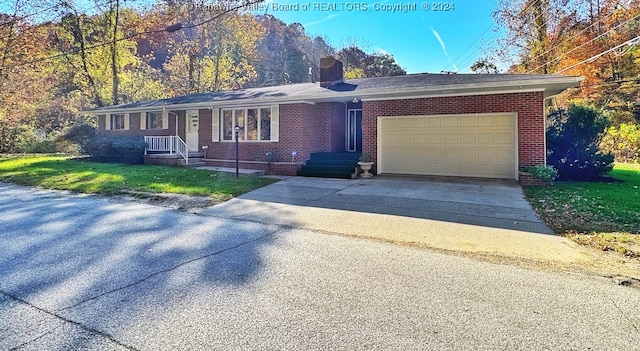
(602, 215)
(55, 172)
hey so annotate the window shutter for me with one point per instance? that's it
(107, 122)
(165, 119)
(143, 120)
(275, 123)
(126, 121)
(215, 124)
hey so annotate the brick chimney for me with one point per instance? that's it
(330, 72)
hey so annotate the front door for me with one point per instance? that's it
(354, 130)
(191, 134)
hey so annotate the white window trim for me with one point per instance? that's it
(215, 125)
(274, 123)
(109, 126)
(144, 119)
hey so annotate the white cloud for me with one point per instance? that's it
(329, 17)
(444, 48)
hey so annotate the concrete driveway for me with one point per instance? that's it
(478, 217)
(478, 202)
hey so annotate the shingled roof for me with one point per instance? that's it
(394, 87)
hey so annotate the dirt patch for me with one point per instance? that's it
(623, 243)
(178, 202)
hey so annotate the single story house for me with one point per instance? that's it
(472, 125)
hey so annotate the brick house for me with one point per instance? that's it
(478, 125)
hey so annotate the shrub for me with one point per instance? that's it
(365, 158)
(544, 173)
(573, 139)
(623, 142)
(28, 141)
(38, 146)
(76, 138)
(116, 148)
(10, 137)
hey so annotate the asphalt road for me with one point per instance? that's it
(85, 272)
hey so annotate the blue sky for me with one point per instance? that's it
(421, 39)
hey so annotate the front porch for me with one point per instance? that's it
(170, 150)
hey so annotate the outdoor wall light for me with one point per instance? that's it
(355, 100)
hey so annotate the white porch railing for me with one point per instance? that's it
(169, 143)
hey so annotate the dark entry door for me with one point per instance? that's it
(354, 131)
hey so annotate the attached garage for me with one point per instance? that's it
(468, 145)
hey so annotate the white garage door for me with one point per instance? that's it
(453, 145)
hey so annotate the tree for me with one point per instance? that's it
(573, 142)
(355, 60)
(286, 53)
(575, 37)
(25, 81)
(623, 141)
(354, 73)
(216, 55)
(352, 57)
(382, 65)
(484, 66)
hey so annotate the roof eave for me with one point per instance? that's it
(551, 86)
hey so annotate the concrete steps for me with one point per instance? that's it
(195, 159)
(331, 165)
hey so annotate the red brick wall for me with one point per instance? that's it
(101, 123)
(528, 106)
(303, 127)
(134, 126)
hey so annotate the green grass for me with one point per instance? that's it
(597, 206)
(597, 214)
(56, 172)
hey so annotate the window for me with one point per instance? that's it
(254, 123)
(117, 121)
(240, 122)
(265, 124)
(227, 125)
(154, 120)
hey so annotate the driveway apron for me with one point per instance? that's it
(487, 203)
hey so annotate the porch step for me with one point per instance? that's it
(195, 159)
(193, 163)
(241, 171)
(331, 165)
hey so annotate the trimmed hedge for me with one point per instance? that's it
(116, 148)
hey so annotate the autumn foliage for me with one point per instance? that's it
(58, 57)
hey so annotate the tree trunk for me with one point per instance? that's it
(114, 54)
(79, 36)
(540, 24)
